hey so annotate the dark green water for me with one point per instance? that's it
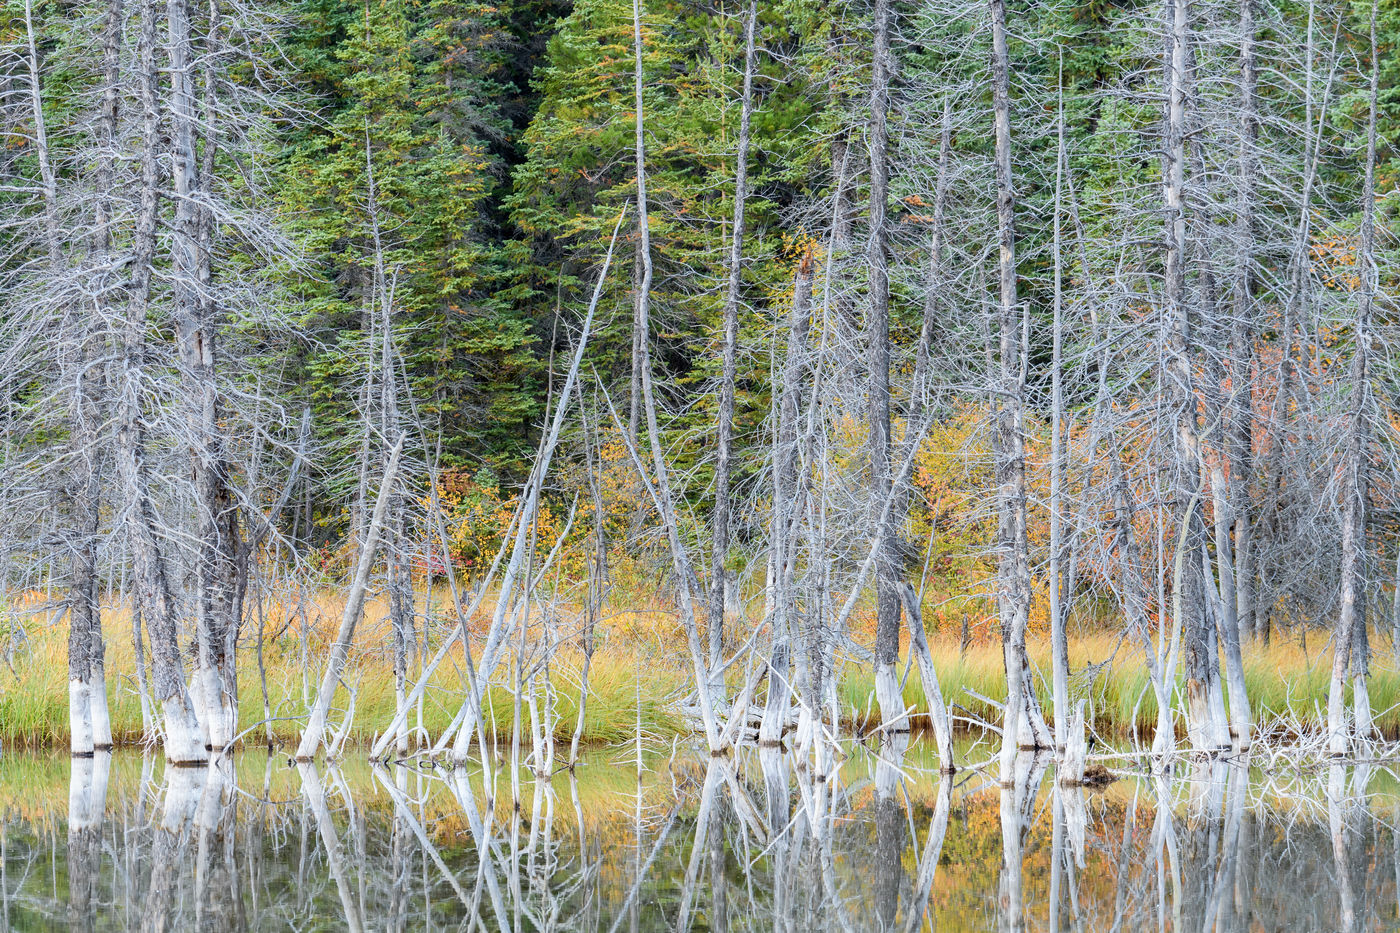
(258, 844)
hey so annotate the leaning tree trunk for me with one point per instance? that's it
(469, 716)
(312, 736)
(664, 501)
(634, 388)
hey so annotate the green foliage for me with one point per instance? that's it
(412, 102)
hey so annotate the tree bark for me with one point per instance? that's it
(89, 726)
(877, 339)
(184, 742)
(1355, 449)
(724, 427)
(1180, 385)
(1022, 726)
(196, 339)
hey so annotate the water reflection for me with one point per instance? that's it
(883, 842)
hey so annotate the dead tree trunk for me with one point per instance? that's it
(400, 581)
(597, 576)
(1059, 649)
(1355, 450)
(1023, 726)
(680, 560)
(877, 339)
(94, 384)
(1295, 308)
(311, 737)
(184, 742)
(724, 427)
(1241, 409)
(89, 726)
(1201, 666)
(634, 396)
(786, 509)
(469, 717)
(231, 550)
(196, 339)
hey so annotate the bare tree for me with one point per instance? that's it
(314, 733)
(877, 343)
(1059, 644)
(89, 724)
(724, 424)
(214, 684)
(660, 490)
(1202, 675)
(1349, 650)
(184, 741)
(1022, 725)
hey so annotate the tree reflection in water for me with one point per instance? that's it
(754, 843)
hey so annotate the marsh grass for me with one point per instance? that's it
(34, 684)
(639, 667)
(1285, 684)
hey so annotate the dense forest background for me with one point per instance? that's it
(461, 164)
(494, 143)
(501, 140)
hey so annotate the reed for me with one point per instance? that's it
(34, 686)
(638, 668)
(1286, 684)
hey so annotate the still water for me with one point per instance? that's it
(123, 843)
